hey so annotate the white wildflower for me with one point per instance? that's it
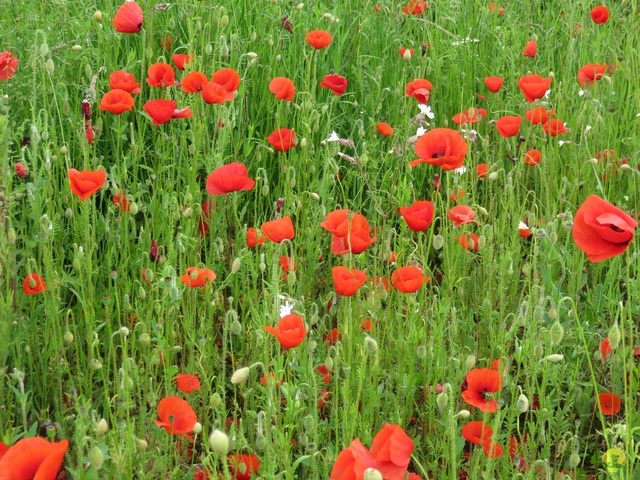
(333, 137)
(420, 131)
(426, 109)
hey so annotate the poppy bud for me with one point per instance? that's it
(76, 48)
(464, 414)
(278, 58)
(240, 376)
(215, 401)
(96, 457)
(328, 362)
(235, 266)
(372, 474)
(21, 171)
(102, 427)
(614, 336)
(224, 21)
(538, 351)
(557, 333)
(523, 403)
(68, 337)
(442, 400)
(95, 365)
(197, 428)
(50, 66)
(141, 444)
(174, 293)
(188, 212)
(144, 339)
(554, 358)
(97, 16)
(300, 6)
(261, 442)
(483, 211)
(236, 327)
(574, 460)
(371, 345)
(438, 241)
(407, 54)
(470, 362)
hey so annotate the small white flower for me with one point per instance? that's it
(587, 128)
(581, 92)
(333, 137)
(460, 171)
(286, 309)
(523, 226)
(426, 109)
(420, 131)
(547, 93)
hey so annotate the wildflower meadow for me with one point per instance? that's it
(337, 240)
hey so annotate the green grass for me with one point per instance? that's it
(78, 364)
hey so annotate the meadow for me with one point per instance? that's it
(347, 240)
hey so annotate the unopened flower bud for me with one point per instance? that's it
(464, 414)
(96, 457)
(141, 444)
(215, 401)
(556, 332)
(470, 362)
(328, 362)
(240, 376)
(68, 337)
(187, 212)
(442, 400)
(574, 460)
(522, 404)
(197, 428)
(133, 208)
(224, 21)
(236, 327)
(371, 345)
(614, 336)
(407, 54)
(483, 211)
(144, 339)
(95, 365)
(554, 358)
(102, 427)
(97, 16)
(219, 442)
(438, 241)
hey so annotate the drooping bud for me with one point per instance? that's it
(96, 457)
(557, 333)
(614, 336)
(523, 403)
(102, 427)
(442, 400)
(240, 376)
(554, 358)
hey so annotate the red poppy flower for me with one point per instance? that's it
(176, 416)
(480, 382)
(120, 201)
(384, 129)
(492, 449)
(601, 230)
(122, 80)
(160, 111)
(357, 241)
(482, 169)
(128, 18)
(198, 277)
(181, 59)
(229, 178)
(194, 82)
(470, 115)
(32, 458)
(539, 115)
(532, 157)
(605, 349)
(283, 88)
(8, 65)
(419, 215)
(283, 139)
(319, 39)
(279, 230)
(85, 183)
(161, 75)
(21, 170)
(243, 466)
(530, 49)
(391, 450)
(352, 462)
(290, 332)
(441, 147)
(591, 72)
(609, 403)
(476, 432)
(336, 83)
(508, 126)
(366, 325)
(213, 93)
(457, 194)
(420, 89)
(187, 383)
(415, 7)
(347, 281)
(324, 371)
(469, 241)
(229, 79)
(253, 239)
(404, 51)
(33, 284)
(496, 8)
(600, 14)
(270, 379)
(461, 214)
(554, 127)
(534, 86)
(494, 84)
(331, 338)
(341, 222)
(408, 279)
(116, 102)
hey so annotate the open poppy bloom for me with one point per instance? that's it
(442, 147)
(384, 129)
(469, 241)
(187, 383)
(357, 241)
(492, 449)
(494, 84)
(198, 277)
(336, 83)
(229, 79)
(319, 39)
(602, 230)
(32, 458)
(341, 222)
(591, 72)
(408, 279)
(479, 383)
(530, 49)
(406, 53)
(122, 80)
(283, 139)
(180, 60)
(161, 75)
(243, 466)
(177, 417)
(605, 349)
(609, 403)
(283, 88)
(229, 178)
(482, 169)
(539, 115)
(33, 284)
(534, 86)
(461, 214)
(279, 230)
(194, 82)
(253, 239)
(420, 89)
(290, 331)
(554, 127)
(347, 281)
(600, 14)
(476, 432)
(116, 102)
(532, 157)
(470, 115)
(161, 111)
(419, 215)
(508, 126)
(8, 65)
(128, 18)
(85, 183)
(415, 7)
(214, 93)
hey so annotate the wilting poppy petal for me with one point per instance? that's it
(419, 89)
(187, 383)
(198, 277)
(476, 432)
(588, 74)
(180, 60)
(530, 49)
(532, 157)
(384, 129)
